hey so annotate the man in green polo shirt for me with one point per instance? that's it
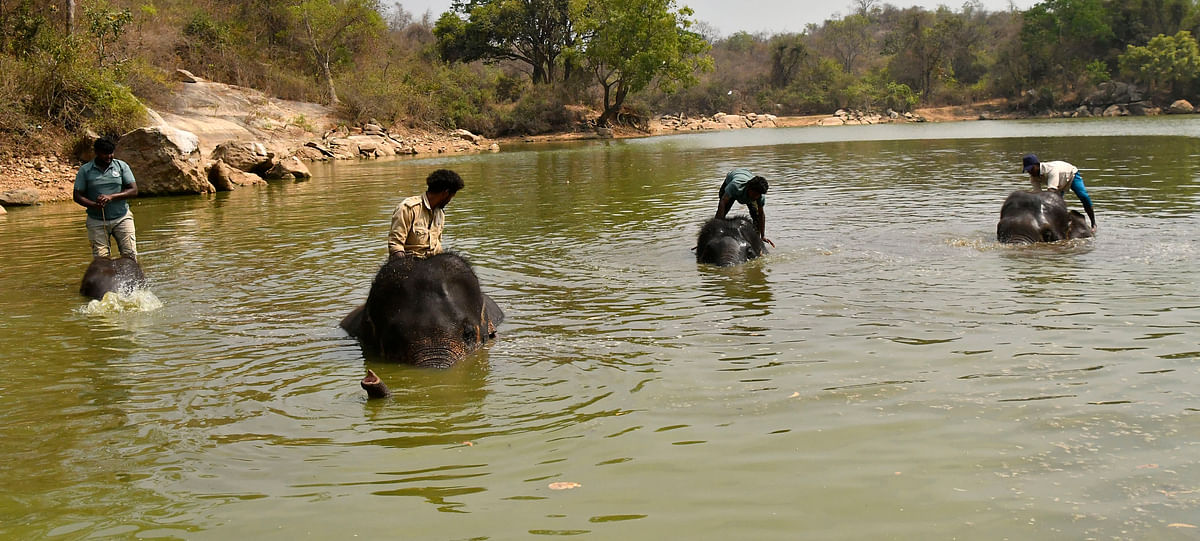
(102, 186)
(748, 189)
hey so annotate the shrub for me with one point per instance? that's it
(540, 110)
(65, 88)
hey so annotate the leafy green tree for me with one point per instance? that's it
(1061, 37)
(329, 27)
(633, 43)
(106, 26)
(1168, 65)
(1135, 22)
(534, 32)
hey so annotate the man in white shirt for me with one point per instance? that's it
(1058, 176)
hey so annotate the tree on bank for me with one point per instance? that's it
(533, 32)
(630, 44)
(328, 27)
(1169, 66)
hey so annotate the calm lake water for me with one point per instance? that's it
(888, 372)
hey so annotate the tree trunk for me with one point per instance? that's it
(70, 17)
(611, 110)
(333, 99)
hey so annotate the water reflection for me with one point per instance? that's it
(1037, 269)
(743, 286)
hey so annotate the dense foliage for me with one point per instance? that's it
(527, 66)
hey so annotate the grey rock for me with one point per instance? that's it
(1181, 107)
(20, 197)
(248, 156)
(164, 161)
(288, 168)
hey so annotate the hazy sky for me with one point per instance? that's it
(771, 16)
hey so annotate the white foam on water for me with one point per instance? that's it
(114, 302)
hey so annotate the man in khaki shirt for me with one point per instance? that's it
(418, 221)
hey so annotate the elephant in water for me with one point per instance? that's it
(728, 241)
(426, 312)
(1029, 217)
(105, 274)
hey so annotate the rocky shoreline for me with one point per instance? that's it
(217, 137)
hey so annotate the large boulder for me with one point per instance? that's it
(164, 161)
(311, 154)
(2, 211)
(1181, 107)
(20, 197)
(344, 148)
(225, 177)
(248, 156)
(288, 168)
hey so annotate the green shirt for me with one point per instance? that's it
(93, 182)
(735, 187)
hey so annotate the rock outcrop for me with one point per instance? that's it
(164, 161)
(225, 177)
(248, 156)
(1181, 107)
(290, 168)
(719, 121)
(20, 197)
(1114, 98)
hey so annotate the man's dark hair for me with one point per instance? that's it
(444, 180)
(757, 184)
(104, 146)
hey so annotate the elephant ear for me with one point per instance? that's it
(495, 316)
(352, 323)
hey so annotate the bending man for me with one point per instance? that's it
(744, 187)
(1058, 176)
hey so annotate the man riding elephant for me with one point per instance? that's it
(418, 221)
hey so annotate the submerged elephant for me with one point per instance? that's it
(728, 241)
(427, 312)
(105, 274)
(1029, 217)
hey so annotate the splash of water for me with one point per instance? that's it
(136, 300)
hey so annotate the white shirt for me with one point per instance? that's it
(1054, 175)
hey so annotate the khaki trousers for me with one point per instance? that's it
(120, 229)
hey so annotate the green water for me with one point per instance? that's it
(888, 372)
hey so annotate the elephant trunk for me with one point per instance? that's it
(374, 386)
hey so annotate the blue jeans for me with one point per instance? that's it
(1080, 191)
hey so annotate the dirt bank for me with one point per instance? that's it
(217, 112)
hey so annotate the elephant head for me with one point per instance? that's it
(1029, 217)
(105, 274)
(426, 312)
(728, 241)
